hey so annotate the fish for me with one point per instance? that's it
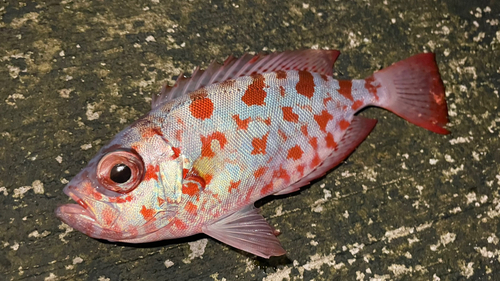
(216, 142)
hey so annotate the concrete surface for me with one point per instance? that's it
(407, 205)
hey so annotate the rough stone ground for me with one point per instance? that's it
(407, 205)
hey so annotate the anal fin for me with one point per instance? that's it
(290, 189)
(246, 230)
(357, 132)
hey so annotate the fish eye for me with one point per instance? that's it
(120, 171)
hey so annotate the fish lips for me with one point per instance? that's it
(78, 216)
(82, 218)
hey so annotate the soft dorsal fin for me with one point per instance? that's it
(319, 61)
(357, 132)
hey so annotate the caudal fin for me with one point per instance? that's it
(412, 88)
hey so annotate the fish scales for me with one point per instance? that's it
(281, 131)
(221, 140)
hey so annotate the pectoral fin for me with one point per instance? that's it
(246, 230)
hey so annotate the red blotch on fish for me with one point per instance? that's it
(315, 161)
(345, 89)
(190, 188)
(282, 91)
(305, 86)
(208, 178)
(191, 208)
(300, 169)
(160, 201)
(233, 185)
(323, 119)
(242, 124)
(281, 174)
(206, 143)
(148, 132)
(151, 172)
(259, 145)
(326, 100)
(357, 104)
(179, 224)
(266, 189)
(107, 215)
(295, 153)
(120, 199)
(369, 85)
(255, 94)
(314, 142)
(288, 114)
(259, 172)
(146, 213)
(201, 107)
(176, 151)
(344, 124)
(330, 142)
(280, 74)
(303, 129)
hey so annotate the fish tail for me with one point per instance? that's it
(413, 89)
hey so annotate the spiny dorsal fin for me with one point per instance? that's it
(319, 61)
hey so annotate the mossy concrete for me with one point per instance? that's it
(406, 205)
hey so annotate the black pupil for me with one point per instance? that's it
(120, 173)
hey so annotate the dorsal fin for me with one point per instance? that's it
(319, 61)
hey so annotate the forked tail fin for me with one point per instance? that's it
(412, 89)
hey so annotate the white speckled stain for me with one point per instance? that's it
(355, 248)
(455, 210)
(493, 239)
(37, 187)
(91, 115)
(400, 269)
(197, 250)
(67, 229)
(466, 269)
(370, 174)
(168, 263)
(317, 206)
(399, 232)
(471, 197)
(86, 146)
(461, 140)
(447, 238)
(51, 277)
(3, 190)
(35, 234)
(64, 93)
(315, 263)
(380, 277)
(15, 247)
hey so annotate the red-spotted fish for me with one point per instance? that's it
(215, 143)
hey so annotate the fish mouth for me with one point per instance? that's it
(78, 215)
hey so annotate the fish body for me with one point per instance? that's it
(215, 143)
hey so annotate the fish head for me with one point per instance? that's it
(129, 191)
